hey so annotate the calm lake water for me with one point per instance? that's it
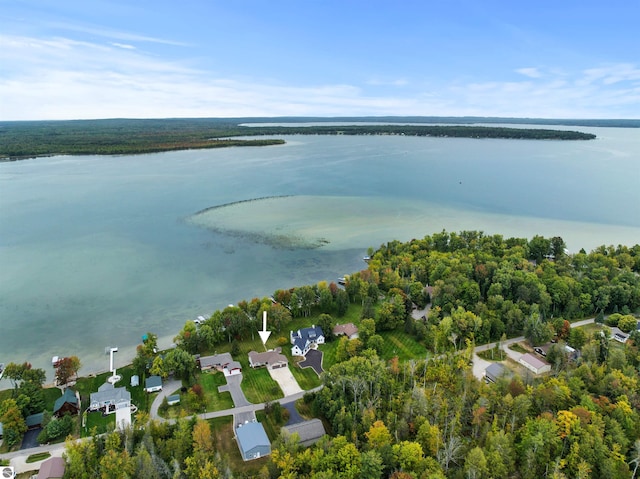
(96, 251)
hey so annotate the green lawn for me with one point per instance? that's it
(258, 386)
(307, 377)
(398, 343)
(38, 457)
(216, 401)
(493, 355)
(101, 423)
(517, 347)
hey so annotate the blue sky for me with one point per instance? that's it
(70, 59)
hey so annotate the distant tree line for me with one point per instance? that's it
(20, 140)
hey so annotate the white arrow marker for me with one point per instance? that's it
(264, 334)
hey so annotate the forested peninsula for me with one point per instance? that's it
(20, 140)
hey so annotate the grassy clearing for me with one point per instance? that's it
(518, 347)
(493, 355)
(215, 400)
(307, 377)
(41, 456)
(398, 343)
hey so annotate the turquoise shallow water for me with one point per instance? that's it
(95, 251)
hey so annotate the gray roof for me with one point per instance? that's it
(269, 357)
(110, 394)
(153, 382)
(497, 370)
(1, 429)
(251, 436)
(234, 365)
(215, 360)
(309, 431)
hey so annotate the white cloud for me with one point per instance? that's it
(529, 72)
(123, 45)
(60, 78)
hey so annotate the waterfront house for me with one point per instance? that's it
(107, 396)
(253, 441)
(272, 359)
(153, 384)
(217, 361)
(305, 339)
(67, 403)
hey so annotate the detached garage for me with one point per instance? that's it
(534, 364)
(253, 441)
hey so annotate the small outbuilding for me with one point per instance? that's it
(67, 403)
(52, 468)
(532, 363)
(173, 399)
(34, 421)
(135, 381)
(253, 441)
(153, 384)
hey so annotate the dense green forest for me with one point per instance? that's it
(28, 139)
(401, 400)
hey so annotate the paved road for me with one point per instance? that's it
(168, 388)
(233, 386)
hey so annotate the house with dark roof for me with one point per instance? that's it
(107, 396)
(153, 384)
(496, 371)
(537, 366)
(304, 339)
(349, 330)
(52, 468)
(272, 359)
(253, 441)
(309, 432)
(67, 403)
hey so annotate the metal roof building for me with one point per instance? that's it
(253, 441)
